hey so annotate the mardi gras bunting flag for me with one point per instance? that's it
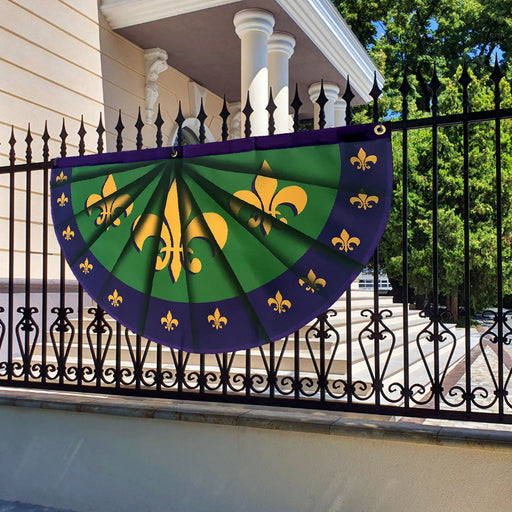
(224, 246)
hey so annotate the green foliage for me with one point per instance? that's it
(411, 37)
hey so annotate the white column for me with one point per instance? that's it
(340, 112)
(280, 49)
(331, 92)
(254, 27)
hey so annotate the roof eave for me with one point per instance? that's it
(322, 23)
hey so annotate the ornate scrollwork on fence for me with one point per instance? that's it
(96, 332)
(430, 341)
(27, 335)
(376, 332)
(62, 335)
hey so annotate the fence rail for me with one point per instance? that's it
(367, 353)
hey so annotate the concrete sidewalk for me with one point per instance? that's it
(16, 506)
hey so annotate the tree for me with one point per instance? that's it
(410, 37)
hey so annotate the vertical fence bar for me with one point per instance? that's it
(496, 76)
(247, 111)
(180, 118)
(28, 250)
(224, 374)
(10, 316)
(119, 129)
(180, 374)
(296, 104)
(100, 130)
(271, 108)
(321, 101)
(44, 289)
(61, 314)
(322, 377)
(100, 313)
(378, 384)
(118, 372)
(138, 126)
(405, 89)
(272, 374)
(138, 362)
(159, 122)
(201, 117)
(296, 365)
(434, 87)
(224, 114)
(81, 152)
(464, 81)
(348, 96)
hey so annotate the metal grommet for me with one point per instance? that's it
(380, 129)
(174, 153)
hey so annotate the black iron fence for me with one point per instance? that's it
(368, 353)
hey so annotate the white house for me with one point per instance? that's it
(72, 58)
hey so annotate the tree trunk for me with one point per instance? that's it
(452, 304)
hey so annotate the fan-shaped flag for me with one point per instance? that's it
(224, 246)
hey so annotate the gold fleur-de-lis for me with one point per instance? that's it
(61, 177)
(313, 283)
(279, 304)
(68, 233)
(265, 197)
(86, 266)
(108, 203)
(175, 252)
(362, 160)
(115, 299)
(345, 242)
(364, 201)
(62, 200)
(216, 320)
(169, 322)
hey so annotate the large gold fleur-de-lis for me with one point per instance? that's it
(115, 299)
(169, 322)
(175, 252)
(363, 160)
(217, 320)
(312, 283)
(61, 177)
(364, 201)
(86, 266)
(345, 242)
(108, 204)
(279, 304)
(62, 200)
(68, 233)
(265, 197)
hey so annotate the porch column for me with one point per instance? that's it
(340, 112)
(280, 49)
(331, 92)
(254, 27)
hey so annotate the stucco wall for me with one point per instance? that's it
(98, 462)
(60, 59)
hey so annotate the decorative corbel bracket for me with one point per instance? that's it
(156, 63)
